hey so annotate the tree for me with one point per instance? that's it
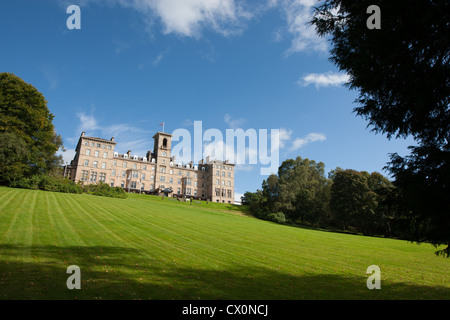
(13, 153)
(402, 73)
(300, 189)
(25, 116)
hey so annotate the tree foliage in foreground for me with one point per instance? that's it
(29, 142)
(402, 73)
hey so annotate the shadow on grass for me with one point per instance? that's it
(39, 272)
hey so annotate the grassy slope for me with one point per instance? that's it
(147, 248)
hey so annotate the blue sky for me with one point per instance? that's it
(228, 63)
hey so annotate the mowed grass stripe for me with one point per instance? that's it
(160, 249)
(201, 238)
(236, 242)
(68, 233)
(155, 238)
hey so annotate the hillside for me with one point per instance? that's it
(144, 247)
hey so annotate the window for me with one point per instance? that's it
(162, 179)
(105, 155)
(143, 176)
(179, 173)
(142, 187)
(122, 184)
(179, 181)
(223, 182)
(102, 177)
(134, 166)
(114, 163)
(112, 183)
(84, 175)
(98, 145)
(93, 176)
(86, 143)
(113, 173)
(229, 183)
(223, 173)
(123, 174)
(178, 191)
(163, 169)
(171, 171)
(96, 153)
(109, 147)
(171, 180)
(188, 182)
(217, 182)
(217, 173)
(92, 144)
(86, 163)
(144, 167)
(124, 164)
(217, 190)
(152, 178)
(95, 164)
(229, 174)
(229, 195)
(133, 184)
(103, 165)
(88, 152)
(188, 191)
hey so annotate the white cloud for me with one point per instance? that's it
(189, 17)
(324, 79)
(285, 135)
(233, 123)
(312, 137)
(298, 15)
(88, 123)
(129, 136)
(68, 155)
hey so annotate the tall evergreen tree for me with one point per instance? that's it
(402, 73)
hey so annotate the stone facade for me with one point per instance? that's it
(156, 173)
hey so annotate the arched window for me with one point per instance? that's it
(164, 143)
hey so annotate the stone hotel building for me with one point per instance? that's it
(157, 173)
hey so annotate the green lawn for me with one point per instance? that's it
(144, 247)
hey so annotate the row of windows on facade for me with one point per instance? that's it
(133, 185)
(105, 156)
(135, 175)
(162, 169)
(99, 145)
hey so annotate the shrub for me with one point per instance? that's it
(278, 217)
(47, 183)
(102, 189)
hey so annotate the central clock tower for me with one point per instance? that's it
(162, 147)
